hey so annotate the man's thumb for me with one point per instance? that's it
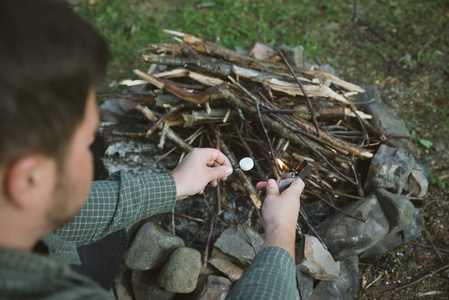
(272, 187)
(222, 171)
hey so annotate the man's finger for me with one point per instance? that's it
(296, 187)
(262, 185)
(217, 156)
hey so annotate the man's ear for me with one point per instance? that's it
(30, 180)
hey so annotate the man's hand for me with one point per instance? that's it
(198, 168)
(280, 214)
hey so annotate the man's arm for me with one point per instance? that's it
(123, 199)
(118, 202)
(272, 274)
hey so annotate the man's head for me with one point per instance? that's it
(50, 63)
(49, 60)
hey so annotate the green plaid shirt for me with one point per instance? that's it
(271, 276)
(113, 204)
(118, 202)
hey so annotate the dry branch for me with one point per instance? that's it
(262, 109)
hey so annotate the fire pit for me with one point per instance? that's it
(286, 119)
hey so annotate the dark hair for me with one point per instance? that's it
(49, 61)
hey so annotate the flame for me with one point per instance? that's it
(281, 164)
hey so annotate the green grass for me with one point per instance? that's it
(236, 23)
(361, 54)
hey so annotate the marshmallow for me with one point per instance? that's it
(246, 163)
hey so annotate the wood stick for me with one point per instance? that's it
(170, 133)
(304, 216)
(336, 143)
(250, 152)
(163, 118)
(212, 49)
(197, 98)
(227, 95)
(247, 184)
(257, 104)
(211, 229)
(278, 82)
(312, 111)
(190, 218)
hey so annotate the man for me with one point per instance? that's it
(51, 62)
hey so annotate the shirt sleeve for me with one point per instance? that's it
(118, 202)
(272, 275)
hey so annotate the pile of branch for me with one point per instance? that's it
(210, 96)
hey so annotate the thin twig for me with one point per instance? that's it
(250, 152)
(304, 216)
(257, 104)
(430, 238)
(170, 133)
(240, 225)
(336, 208)
(249, 187)
(173, 221)
(430, 247)
(359, 119)
(328, 162)
(158, 160)
(359, 185)
(190, 218)
(305, 43)
(309, 103)
(422, 278)
(211, 229)
(163, 118)
(374, 281)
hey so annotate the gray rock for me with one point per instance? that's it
(211, 287)
(151, 248)
(327, 69)
(233, 243)
(180, 274)
(418, 182)
(305, 284)
(389, 169)
(316, 261)
(345, 236)
(346, 286)
(227, 268)
(397, 208)
(397, 239)
(370, 96)
(261, 51)
(122, 290)
(145, 288)
(242, 51)
(294, 55)
(111, 111)
(387, 122)
(391, 241)
(414, 230)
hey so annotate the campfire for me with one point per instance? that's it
(283, 120)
